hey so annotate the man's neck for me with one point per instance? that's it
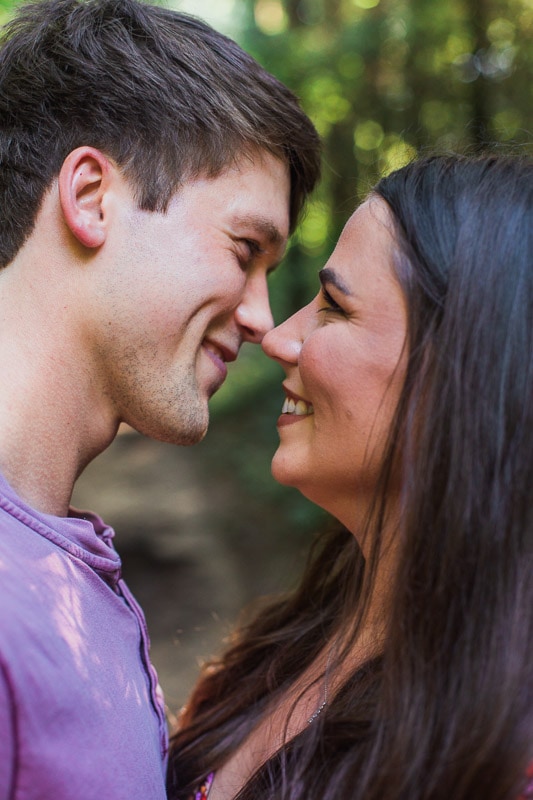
(55, 416)
(47, 437)
(53, 419)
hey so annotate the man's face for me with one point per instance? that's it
(181, 291)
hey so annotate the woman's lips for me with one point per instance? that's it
(295, 409)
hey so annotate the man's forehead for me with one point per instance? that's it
(251, 195)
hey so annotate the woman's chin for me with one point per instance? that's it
(292, 472)
(285, 470)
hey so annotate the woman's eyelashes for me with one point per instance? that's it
(332, 305)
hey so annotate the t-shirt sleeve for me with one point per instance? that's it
(7, 736)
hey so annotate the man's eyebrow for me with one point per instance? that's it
(264, 226)
(327, 275)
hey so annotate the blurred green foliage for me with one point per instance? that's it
(384, 79)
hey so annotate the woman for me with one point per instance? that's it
(401, 668)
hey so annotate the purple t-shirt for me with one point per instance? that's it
(81, 713)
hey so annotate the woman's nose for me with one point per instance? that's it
(284, 342)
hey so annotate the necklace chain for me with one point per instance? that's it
(324, 702)
(320, 708)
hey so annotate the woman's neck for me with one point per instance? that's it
(299, 706)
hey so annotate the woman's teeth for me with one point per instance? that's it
(300, 408)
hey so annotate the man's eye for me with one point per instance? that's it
(250, 249)
(332, 305)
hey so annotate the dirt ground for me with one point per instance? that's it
(196, 543)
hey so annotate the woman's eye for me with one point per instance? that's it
(332, 305)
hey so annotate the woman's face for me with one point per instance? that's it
(344, 357)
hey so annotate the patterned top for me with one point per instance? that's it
(528, 790)
(203, 791)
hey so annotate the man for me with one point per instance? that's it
(151, 173)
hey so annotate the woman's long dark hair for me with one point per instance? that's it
(446, 709)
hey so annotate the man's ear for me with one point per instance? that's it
(83, 181)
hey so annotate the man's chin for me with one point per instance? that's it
(194, 435)
(193, 438)
(189, 431)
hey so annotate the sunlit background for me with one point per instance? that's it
(224, 15)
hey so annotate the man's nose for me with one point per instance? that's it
(253, 314)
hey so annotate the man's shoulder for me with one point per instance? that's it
(24, 582)
(37, 581)
(21, 547)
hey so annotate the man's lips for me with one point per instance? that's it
(219, 354)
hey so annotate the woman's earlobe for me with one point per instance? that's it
(83, 182)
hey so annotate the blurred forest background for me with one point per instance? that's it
(203, 530)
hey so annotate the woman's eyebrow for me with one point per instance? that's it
(328, 275)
